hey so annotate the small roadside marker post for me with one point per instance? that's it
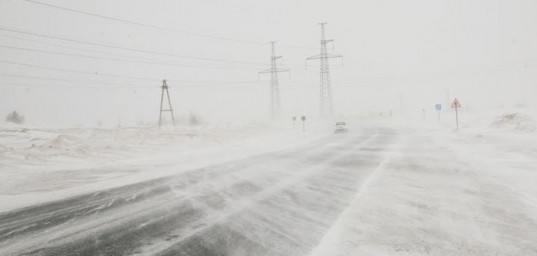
(294, 122)
(303, 123)
(423, 113)
(438, 108)
(456, 105)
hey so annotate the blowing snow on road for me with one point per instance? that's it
(374, 191)
(268, 127)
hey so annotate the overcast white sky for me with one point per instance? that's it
(398, 55)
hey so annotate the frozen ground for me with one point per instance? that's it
(43, 164)
(383, 189)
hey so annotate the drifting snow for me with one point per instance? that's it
(40, 165)
(421, 190)
(515, 121)
(441, 192)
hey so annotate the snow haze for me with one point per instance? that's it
(397, 56)
(342, 145)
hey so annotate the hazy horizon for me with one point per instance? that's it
(397, 56)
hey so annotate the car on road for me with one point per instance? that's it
(341, 127)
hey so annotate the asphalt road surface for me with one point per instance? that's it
(280, 203)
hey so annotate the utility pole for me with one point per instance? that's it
(165, 88)
(275, 103)
(326, 108)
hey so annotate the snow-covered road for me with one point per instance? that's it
(374, 191)
(279, 203)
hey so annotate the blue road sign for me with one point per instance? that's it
(438, 107)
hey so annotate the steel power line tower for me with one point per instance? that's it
(165, 88)
(326, 108)
(275, 102)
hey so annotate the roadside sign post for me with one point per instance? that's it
(457, 118)
(303, 123)
(294, 122)
(456, 105)
(423, 113)
(438, 108)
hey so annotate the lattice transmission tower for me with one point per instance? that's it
(326, 108)
(165, 88)
(275, 102)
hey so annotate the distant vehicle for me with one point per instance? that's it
(341, 127)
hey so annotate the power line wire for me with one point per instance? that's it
(127, 48)
(76, 71)
(293, 84)
(142, 24)
(104, 85)
(73, 86)
(120, 76)
(158, 27)
(57, 79)
(70, 47)
(120, 60)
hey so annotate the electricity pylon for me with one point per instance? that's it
(326, 108)
(275, 103)
(165, 88)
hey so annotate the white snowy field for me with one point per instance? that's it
(420, 189)
(44, 164)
